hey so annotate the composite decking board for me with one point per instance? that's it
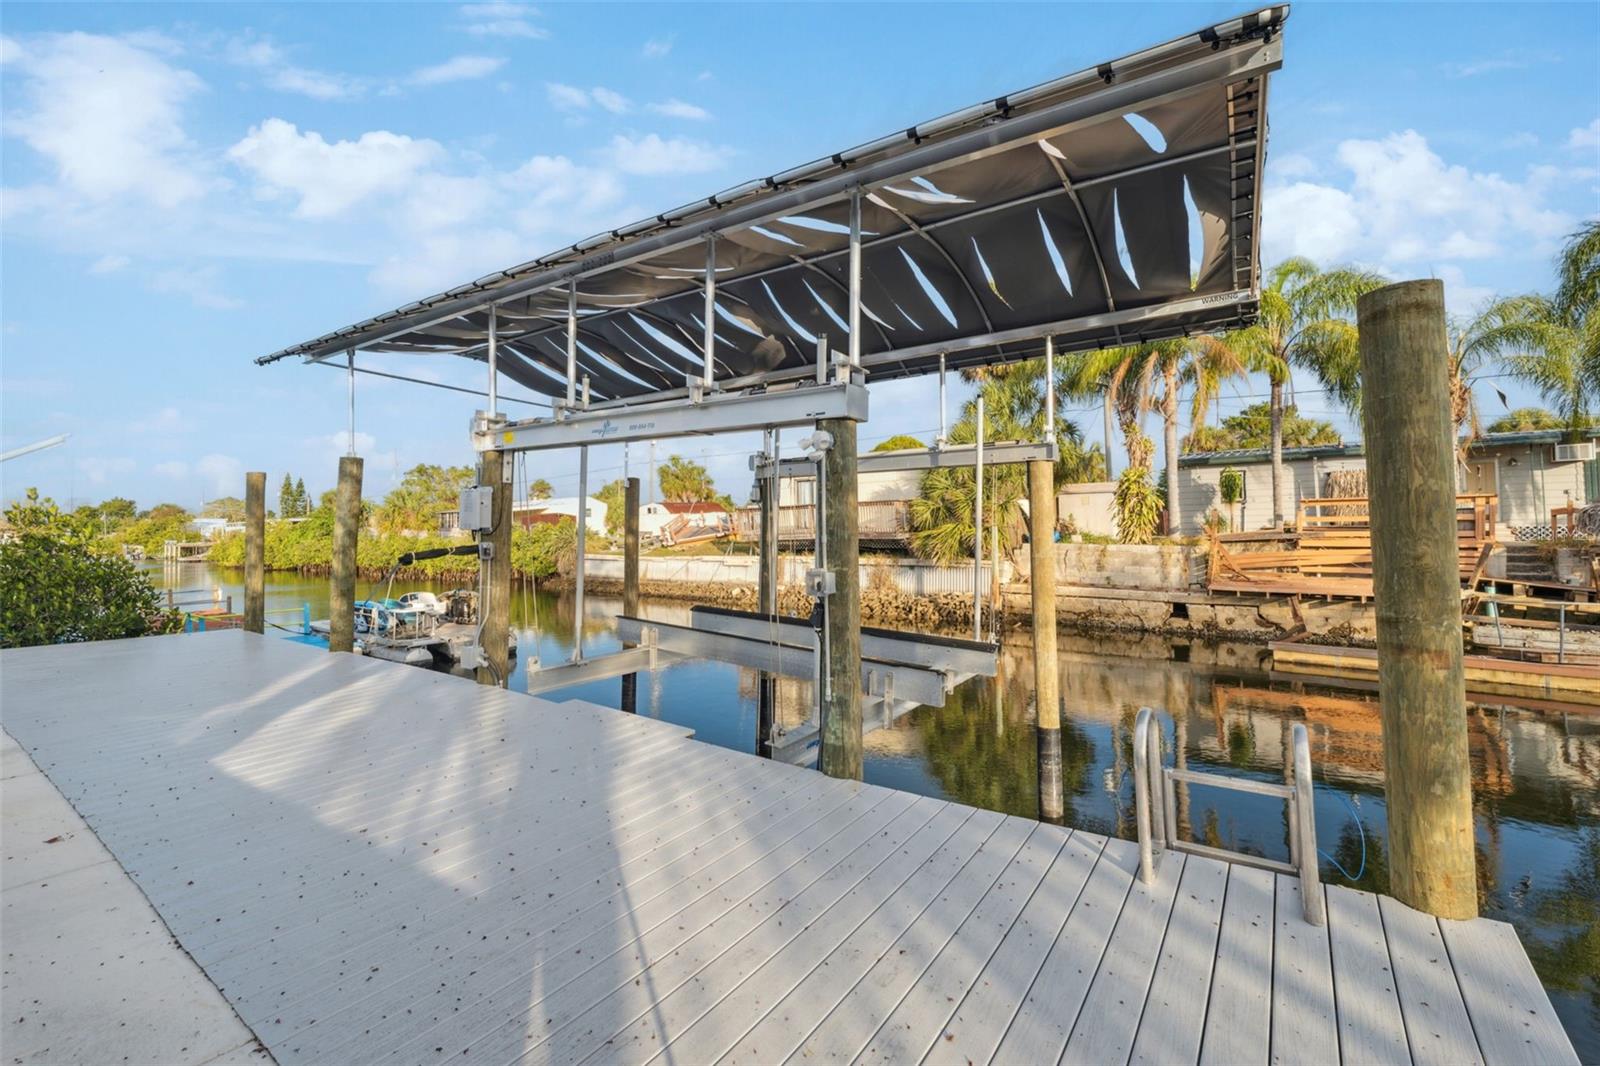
(513, 1020)
(886, 914)
(1370, 1025)
(818, 884)
(450, 827)
(1175, 1007)
(1239, 1011)
(511, 905)
(465, 853)
(1107, 1006)
(474, 943)
(911, 1028)
(487, 991)
(805, 928)
(980, 1020)
(1511, 1016)
(1438, 1029)
(858, 1010)
(1024, 972)
(1303, 1015)
(596, 885)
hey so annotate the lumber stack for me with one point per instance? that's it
(1329, 552)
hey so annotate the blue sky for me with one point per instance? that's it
(188, 187)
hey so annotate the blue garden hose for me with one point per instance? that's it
(1362, 830)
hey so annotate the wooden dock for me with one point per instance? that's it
(380, 864)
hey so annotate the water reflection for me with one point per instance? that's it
(1535, 769)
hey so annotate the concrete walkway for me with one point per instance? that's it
(91, 973)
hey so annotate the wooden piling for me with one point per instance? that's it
(1411, 471)
(1046, 669)
(494, 598)
(346, 523)
(767, 604)
(255, 552)
(841, 717)
(630, 580)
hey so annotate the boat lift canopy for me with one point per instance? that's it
(1114, 205)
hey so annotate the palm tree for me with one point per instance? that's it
(1305, 322)
(1127, 378)
(1553, 343)
(1014, 409)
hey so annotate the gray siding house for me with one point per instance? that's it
(1522, 469)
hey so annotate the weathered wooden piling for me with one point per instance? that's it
(495, 597)
(766, 600)
(346, 523)
(1046, 669)
(255, 552)
(630, 580)
(841, 716)
(1411, 472)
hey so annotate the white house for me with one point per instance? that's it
(561, 506)
(1525, 470)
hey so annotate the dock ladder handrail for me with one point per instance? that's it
(1158, 823)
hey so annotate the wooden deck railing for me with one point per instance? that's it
(876, 520)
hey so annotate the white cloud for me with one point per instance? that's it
(1585, 137)
(657, 47)
(260, 53)
(1485, 66)
(224, 475)
(109, 264)
(199, 284)
(1402, 204)
(652, 154)
(98, 469)
(459, 68)
(107, 113)
(609, 99)
(675, 108)
(337, 444)
(331, 178)
(566, 97)
(165, 421)
(571, 98)
(176, 469)
(501, 19)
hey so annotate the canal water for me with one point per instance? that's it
(1535, 768)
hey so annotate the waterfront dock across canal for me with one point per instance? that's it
(375, 863)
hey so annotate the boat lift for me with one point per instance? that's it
(1048, 218)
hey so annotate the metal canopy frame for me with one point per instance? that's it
(730, 292)
(939, 457)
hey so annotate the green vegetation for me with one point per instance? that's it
(58, 584)
(1014, 409)
(1552, 343)
(1251, 429)
(614, 494)
(684, 481)
(308, 546)
(292, 499)
(1525, 420)
(423, 492)
(898, 443)
(227, 508)
(1137, 503)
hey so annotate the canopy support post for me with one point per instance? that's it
(255, 547)
(572, 342)
(583, 536)
(350, 373)
(630, 577)
(977, 531)
(942, 428)
(710, 352)
(1046, 671)
(1049, 390)
(767, 592)
(494, 573)
(855, 277)
(494, 369)
(346, 520)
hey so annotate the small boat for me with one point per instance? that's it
(417, 629)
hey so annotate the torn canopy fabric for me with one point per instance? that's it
(1107, 207)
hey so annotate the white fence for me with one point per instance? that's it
(914, 576)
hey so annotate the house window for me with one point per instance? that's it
(805, 492)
